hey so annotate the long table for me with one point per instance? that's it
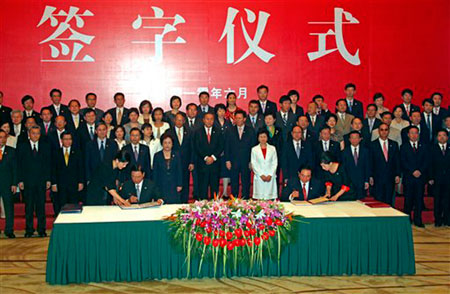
(106, 243)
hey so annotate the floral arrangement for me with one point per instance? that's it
(236, 231)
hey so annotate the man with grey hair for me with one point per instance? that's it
(16, 123)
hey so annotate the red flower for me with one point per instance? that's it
(230, 246)
(229, 235)
(278, 222)
(269, 221)
(249, 242)
(236, 243)
(208, 230)
(238, 232)
(242, 241)
(261, 227)
(265, 236)
(222, 233)
(252, 232)
(249, 225)
(197, 222)
(216, 232)
(206, 240)
(215, 242)
(223, 242)
(246, 233)
(199, 237)
(272, 233)
(257, 241)
(203, 224)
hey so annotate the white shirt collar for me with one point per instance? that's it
(135, 146)
(306, 185)
(295, 142)
(444, 145)
(99, 141)
(66, 148)
(35, 144)
(119, 108)
(412, 143)
(208, 129)
(355, 147)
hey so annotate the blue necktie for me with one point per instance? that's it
(102, 150)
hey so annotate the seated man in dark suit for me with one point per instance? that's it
(139, 189)
(140, 155)
(356, 161)
(440, 175)
(8, 182)
(303, 187)
(67, 173)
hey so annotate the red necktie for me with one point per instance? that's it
(209, 136)
(305, 195)
(414, 147)
(385, 151)
(46, 129)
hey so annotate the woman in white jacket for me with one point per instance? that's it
(264, 163)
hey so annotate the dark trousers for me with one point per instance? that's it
(186, 174)
(441, 202)
(66, 194)
(413, 191)
(34, 196)
(208, 180)
(8, 203)
(244, 172)
(383, 189)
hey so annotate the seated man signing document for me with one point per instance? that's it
(139, 190)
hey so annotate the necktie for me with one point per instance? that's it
(1, 155)
(34, 150)
(191, 123)
(370, 125)
(66, 157)
(355, 156)
(429, 126)
(209, 136)
(263, 106)
(350, 105)
(46, 128)
(179, 136)
(240, 132)
(443, 150)
(284, 118)
(91, 133)
(136, 154)
(297, 149)
(325, 148)
(305, 194)
(119, 116)
(385, 151)
(102, 150)
(204, 109)
(253, 121)
(76, 122)
(414, 147)
(138, 192)
(57, 110)
(407, 109)
(313, 120)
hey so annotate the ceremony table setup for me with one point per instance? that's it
(229, 238)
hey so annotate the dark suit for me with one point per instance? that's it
(198, 123)
(67, 177)
(238, 151)
(71, 123)
(298, 111)
(98, 113)
(168, 176)
(309, 136)
(51, 127)
(83, 135)
(187, 158)
(357, 109)
(93, 156)
(359, 172)
(271, 107)
(411, 161)
(63, 110)
(365, 139)
(201, 113)
(384, 172)
(258, 124)
(412, 107)
(332, 146)
(208, 175)
(34, 170)
(285, 126)
(319, 123)
(366, 130)
(442, 114)
(424, 134)
(22, 135)
(436, 124)
(125, 113)
(316, 189)
(290, 163)
(5, 114)
(440, 173)
(8, 176)
(143, 160)
(149, 191)
(34, 114)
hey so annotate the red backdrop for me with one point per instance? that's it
(401, 43)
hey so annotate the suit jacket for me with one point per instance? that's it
(333, 147)
(271, 107)
(394, 135)
(92, 155)
(149, 191)
(50, 128)
(8, 170)
(237, 150)
(143, 160)
(63, 110)
(36, 115)
(83, 136)
(360, 173)
(34, 168)
(436, 124)
(411, 161)
(290, 163)
(5, 114)
(201, 114)
(318, 124)
(71, 174)
(357, 110)
(71, 123)
(113, 112)
(298, 111)
(185, 149)
(412, 107)
(202, 148)
(344, 127)
(440, 164)
(198, 123)
(365, 139)
(366, 127)
(286, 128)
(316, 189)
(424, 134)
(98, 113)
(385, 171)
(258, 124)
(442, 114)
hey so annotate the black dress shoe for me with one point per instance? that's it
(44, 234)
(438, 225)
(10, 235)
(420, 225)
(28, 235)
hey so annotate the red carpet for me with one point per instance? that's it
(19, 211)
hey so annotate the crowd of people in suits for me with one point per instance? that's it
(135, 155)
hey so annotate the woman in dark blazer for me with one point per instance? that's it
(223, 124)
(337, 181)
(167, 171)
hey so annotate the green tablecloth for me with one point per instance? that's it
(137, 251)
